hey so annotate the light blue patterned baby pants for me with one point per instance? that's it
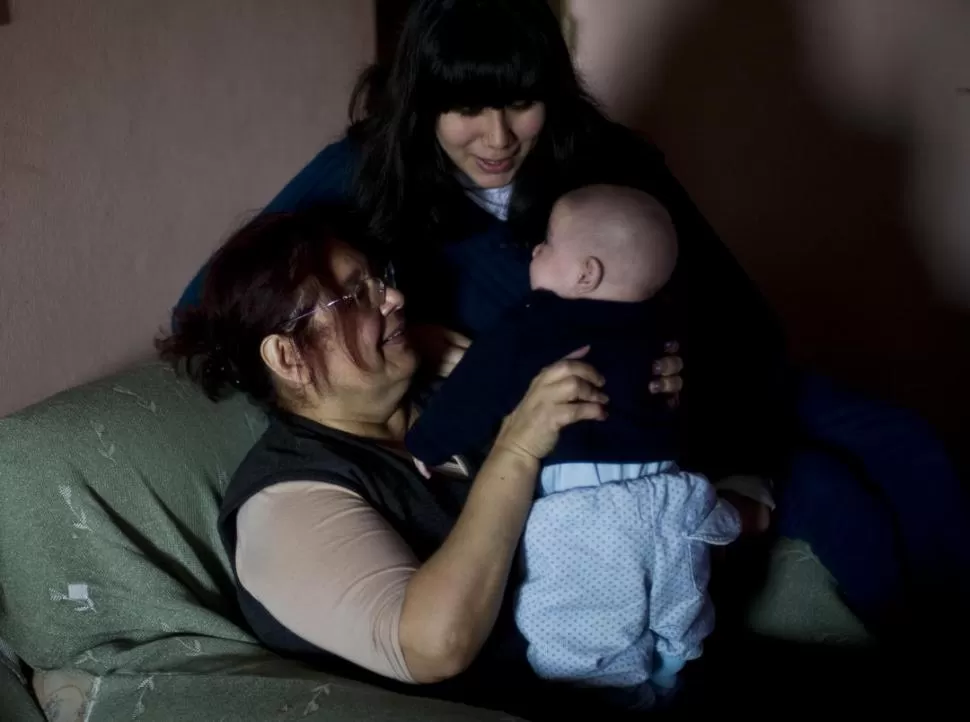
(617, 562)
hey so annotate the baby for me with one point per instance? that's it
(617, 548)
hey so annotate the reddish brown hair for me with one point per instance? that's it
(270, 271)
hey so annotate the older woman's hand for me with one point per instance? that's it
(667, 372)
(561, 394)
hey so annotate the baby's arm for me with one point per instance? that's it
(471, 403)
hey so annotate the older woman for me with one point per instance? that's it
(340, 547)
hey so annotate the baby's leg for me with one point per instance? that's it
(690, 518)
(583, 605)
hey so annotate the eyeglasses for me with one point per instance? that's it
(369, 294)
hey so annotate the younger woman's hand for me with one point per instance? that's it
(439, 347)
(561, 394)
(667, 375)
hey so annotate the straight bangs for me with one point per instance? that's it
(465, 56)
(474, 60)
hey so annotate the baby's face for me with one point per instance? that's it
(557, 261)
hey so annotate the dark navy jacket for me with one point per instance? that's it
(736, 399)
(624, 338)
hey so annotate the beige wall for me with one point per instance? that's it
(134, 134)
(829, 142)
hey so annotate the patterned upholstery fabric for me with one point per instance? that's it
(114, 582)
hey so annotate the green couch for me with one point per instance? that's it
(117, 595)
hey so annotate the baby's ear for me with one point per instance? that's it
(590, 275)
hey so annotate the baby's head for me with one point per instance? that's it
(608, 243)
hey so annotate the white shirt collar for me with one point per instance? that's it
(494, 201)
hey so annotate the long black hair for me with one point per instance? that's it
(466, 55)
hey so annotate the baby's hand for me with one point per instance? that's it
(422, 469)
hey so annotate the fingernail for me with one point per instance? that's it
(654, 387)
(657, 367)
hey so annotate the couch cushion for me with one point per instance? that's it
(111, 570)
(109, 493)
(799, 601)
(266, 689)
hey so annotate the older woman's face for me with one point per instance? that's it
(386, 357)
(490, 145)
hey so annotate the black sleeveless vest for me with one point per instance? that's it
(421, 511)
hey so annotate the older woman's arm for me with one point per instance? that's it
(330, 569)
(453, 599)
(336, 574)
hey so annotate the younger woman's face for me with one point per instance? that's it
(489, 145)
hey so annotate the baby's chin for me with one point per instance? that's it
(562, 293)
(538, 283)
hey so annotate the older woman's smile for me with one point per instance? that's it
(396, 337)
